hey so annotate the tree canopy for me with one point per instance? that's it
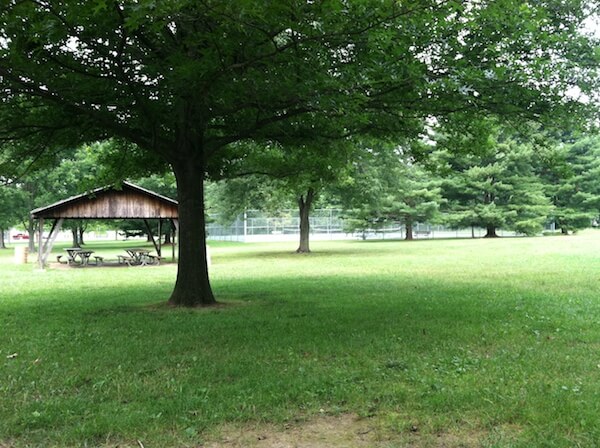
(186, 80)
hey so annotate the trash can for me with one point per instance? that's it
(21, 254)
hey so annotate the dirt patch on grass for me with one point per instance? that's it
(327, 431)
(341, 431)
(347, 431)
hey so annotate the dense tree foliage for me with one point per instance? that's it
(11, 200)
(227, 199)
(273, 172)
(387, 187)
(185, 80)
(571, 175)
(74, 175)
(495, 187)
(497, 179)
(414, 197)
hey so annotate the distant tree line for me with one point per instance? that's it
(512, 181)
(508, 180)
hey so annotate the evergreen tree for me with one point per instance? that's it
(388, 187)
(572, 175)
(413, 197)
(494, 188)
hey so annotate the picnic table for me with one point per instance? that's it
(77, 252)
(139, 256)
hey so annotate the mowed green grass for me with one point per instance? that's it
(494, 340)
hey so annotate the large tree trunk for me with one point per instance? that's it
(409, 230)
(2, 244)
(491, 232)
(192, 287)
(304, 206)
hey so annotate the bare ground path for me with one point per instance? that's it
(342, 431)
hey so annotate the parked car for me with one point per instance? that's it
(20, 236)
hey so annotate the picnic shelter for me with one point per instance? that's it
(127, 201)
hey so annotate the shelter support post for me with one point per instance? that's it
(151, 235)
(44, 249)
(40, 243)
(159, 250)
(175, 236)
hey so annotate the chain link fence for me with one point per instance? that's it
(325, 224)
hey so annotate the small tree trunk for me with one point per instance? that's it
(81, 231)
(75, 237)
(472, 231)
(409, 231)
(192, 287)
(168, 237)
(2, 244)
(304, 206)
(564, 230)
(31, 227)
(491, 232)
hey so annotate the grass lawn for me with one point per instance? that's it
(492, 343)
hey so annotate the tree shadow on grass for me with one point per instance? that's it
(290, 254)
(284, 346)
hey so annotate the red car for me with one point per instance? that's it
(20, 236)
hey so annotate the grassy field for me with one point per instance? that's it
(492, 343)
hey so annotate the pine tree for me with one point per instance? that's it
(494, 188)
(390, 188)
(572, 183)
(414, 197)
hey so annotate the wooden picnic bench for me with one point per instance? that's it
(70, 259)
(125, 259)
(75, 252)
(155, 259)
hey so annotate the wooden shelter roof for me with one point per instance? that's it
(128, 202)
